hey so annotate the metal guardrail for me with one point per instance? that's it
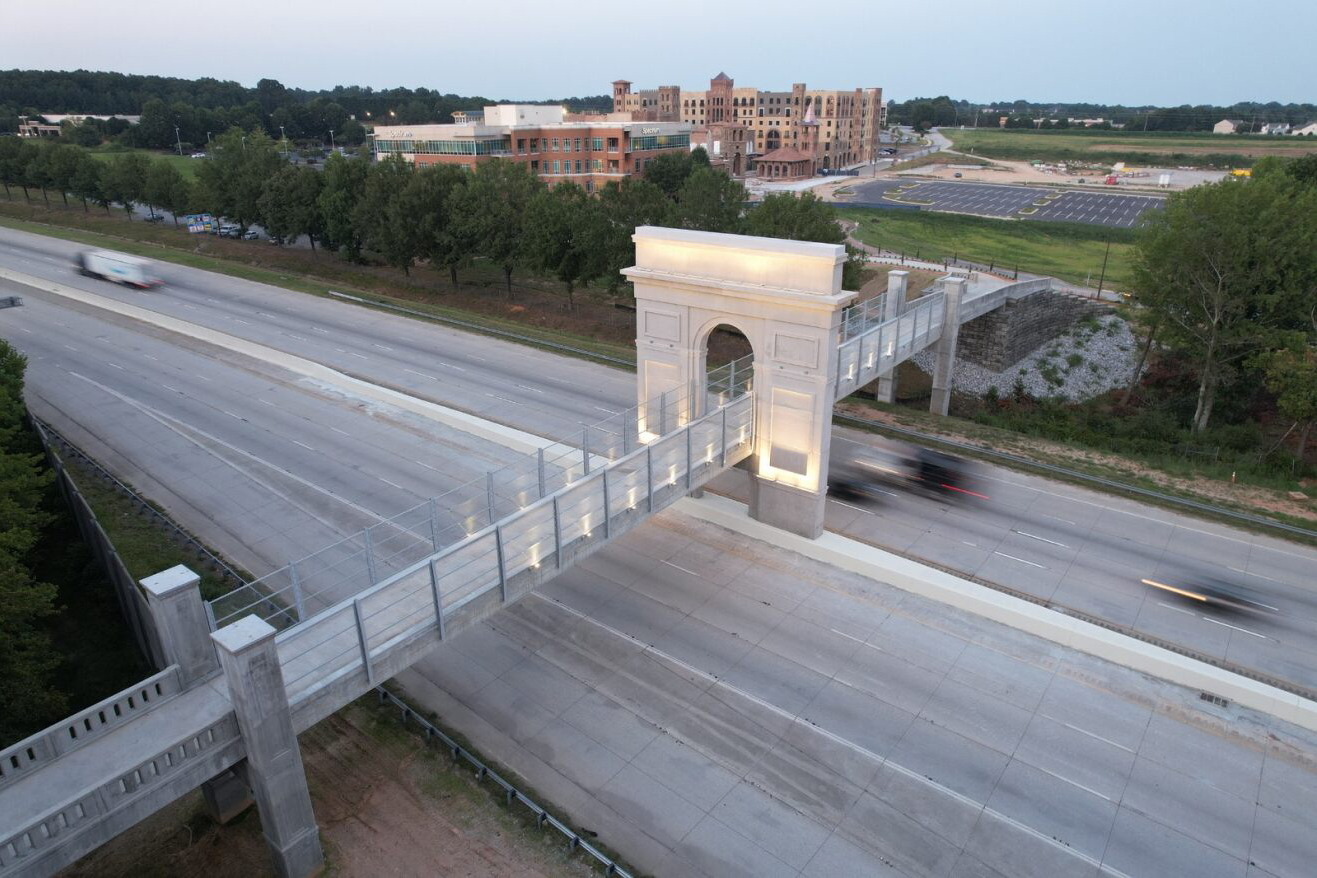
(1124, 487)
(510, 792)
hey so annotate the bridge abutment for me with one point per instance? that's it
(250, 661)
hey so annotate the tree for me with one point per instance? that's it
(1292, 376)
(342, 187)
(621, 207)
(557, 235)
(28, 660)
(290, 205)
(1225, 267)
(710, 201)
(353, 133)
(63, 165)
(805, 218)
(231, 180)
(381, 218)
(493, 206)
(670, 170)
(14, 156)
(124, 180)
(37, 172)
(86, 181)
(84, 134)
(163, 185)
(430, 198)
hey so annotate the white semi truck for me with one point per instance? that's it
(118, 267)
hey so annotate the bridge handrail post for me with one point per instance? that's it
(731, 379)
(608, 508)
(489, 495)
(649, 477)
(663, 413)
(361, 640)
(438, 599)
(370, 557)
(434, 524)
(688, 455)
(539, 466)
(585, 450)
(557, 535)
(297, 590)
(722, 453)
(626, 433)
(502, 565)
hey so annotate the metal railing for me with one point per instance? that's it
(860, 317)
(301, 588)
(885, 345)
(364, 632)
(510, 792)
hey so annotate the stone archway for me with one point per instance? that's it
(786, 298)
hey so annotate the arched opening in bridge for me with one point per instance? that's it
(727, 363)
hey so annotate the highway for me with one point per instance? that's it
(1075, 548)
(708, 704)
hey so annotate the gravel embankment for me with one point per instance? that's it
(1095, 356)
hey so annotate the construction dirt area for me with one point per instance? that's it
(386, 803)
(1001, 171)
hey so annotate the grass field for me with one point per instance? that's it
(1165, 148)
(185, 163)
(1070, 251)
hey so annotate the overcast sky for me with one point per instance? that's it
(1164, 52)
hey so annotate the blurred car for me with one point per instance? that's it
(1209, 590)
(251, 235)
(883, 469)
(229, 231)
(154, 218)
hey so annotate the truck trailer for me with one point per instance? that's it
(118, 267)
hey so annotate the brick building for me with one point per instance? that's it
(590, 152)
(849, 120)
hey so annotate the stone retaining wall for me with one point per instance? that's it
(1002, 337)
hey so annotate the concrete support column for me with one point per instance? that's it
(893, 307)
(227, 795)
(250, 661)
(945, 351)
(174, 596)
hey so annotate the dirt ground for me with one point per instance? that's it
(386, 805)
(1023, 172)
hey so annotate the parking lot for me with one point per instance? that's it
(1021, 202)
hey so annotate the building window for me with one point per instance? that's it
(596, 165)
(556, 168)
(660, 141)
(521, 146)
(576, 145)
(637, 166)
(534, 145)
(597, 144)
(578, 166)
(534, 166)
(589, 186)
(612, 144)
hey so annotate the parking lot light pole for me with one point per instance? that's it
(284, 135)
(332, 148)
(179, 141)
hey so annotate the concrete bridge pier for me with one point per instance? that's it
(250, 660)
(945, 350)
(893, 307)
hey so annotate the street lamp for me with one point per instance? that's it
(179, 141)
(331, 140)
(284, 135)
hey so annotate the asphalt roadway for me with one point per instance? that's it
(766, 716)
(1117, 210)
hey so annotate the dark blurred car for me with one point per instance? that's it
(886, 468)
(1207, 590)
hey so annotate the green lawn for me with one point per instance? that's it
(1178, 148)
(185, 163)
(1071, 251)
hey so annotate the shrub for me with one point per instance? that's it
(1073, 360)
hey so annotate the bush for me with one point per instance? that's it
(1073, 360)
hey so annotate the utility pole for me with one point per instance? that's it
(1103, 276)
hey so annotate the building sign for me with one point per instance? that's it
(649, 130)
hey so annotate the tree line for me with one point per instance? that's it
(928, 112)
(198, 107)
(443, 215)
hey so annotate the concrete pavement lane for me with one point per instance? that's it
(1076, 548)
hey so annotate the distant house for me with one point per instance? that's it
(1276, 128)
(36, 128)
(1309, 130)
(1228, 126)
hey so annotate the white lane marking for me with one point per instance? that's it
(422, 374)
(202, 377)
(298, 337)
(531, 389)
(682, 569)
(600, 408)
(833, 736)
(1021, 560)
(450, 365)
(426, 465)
(149, 357)
(381, 346)
(503, 398)
(1176, 609)
(394, 484)
(1040, 539)
(25, 329)
(115, 365)
(337, 430)
(1093, 735)
(968, 543)
(1235, 628)
(212, 301)
(1258, 575)
(1059, 518)
(168, 387)
(232, 415)
(270, 404)
(304, 445)
(243, 322)
(318, 329)
(857, 640)
(358, 356)
(71, 347)
(856, 508)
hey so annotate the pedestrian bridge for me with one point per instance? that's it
(224, 715)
